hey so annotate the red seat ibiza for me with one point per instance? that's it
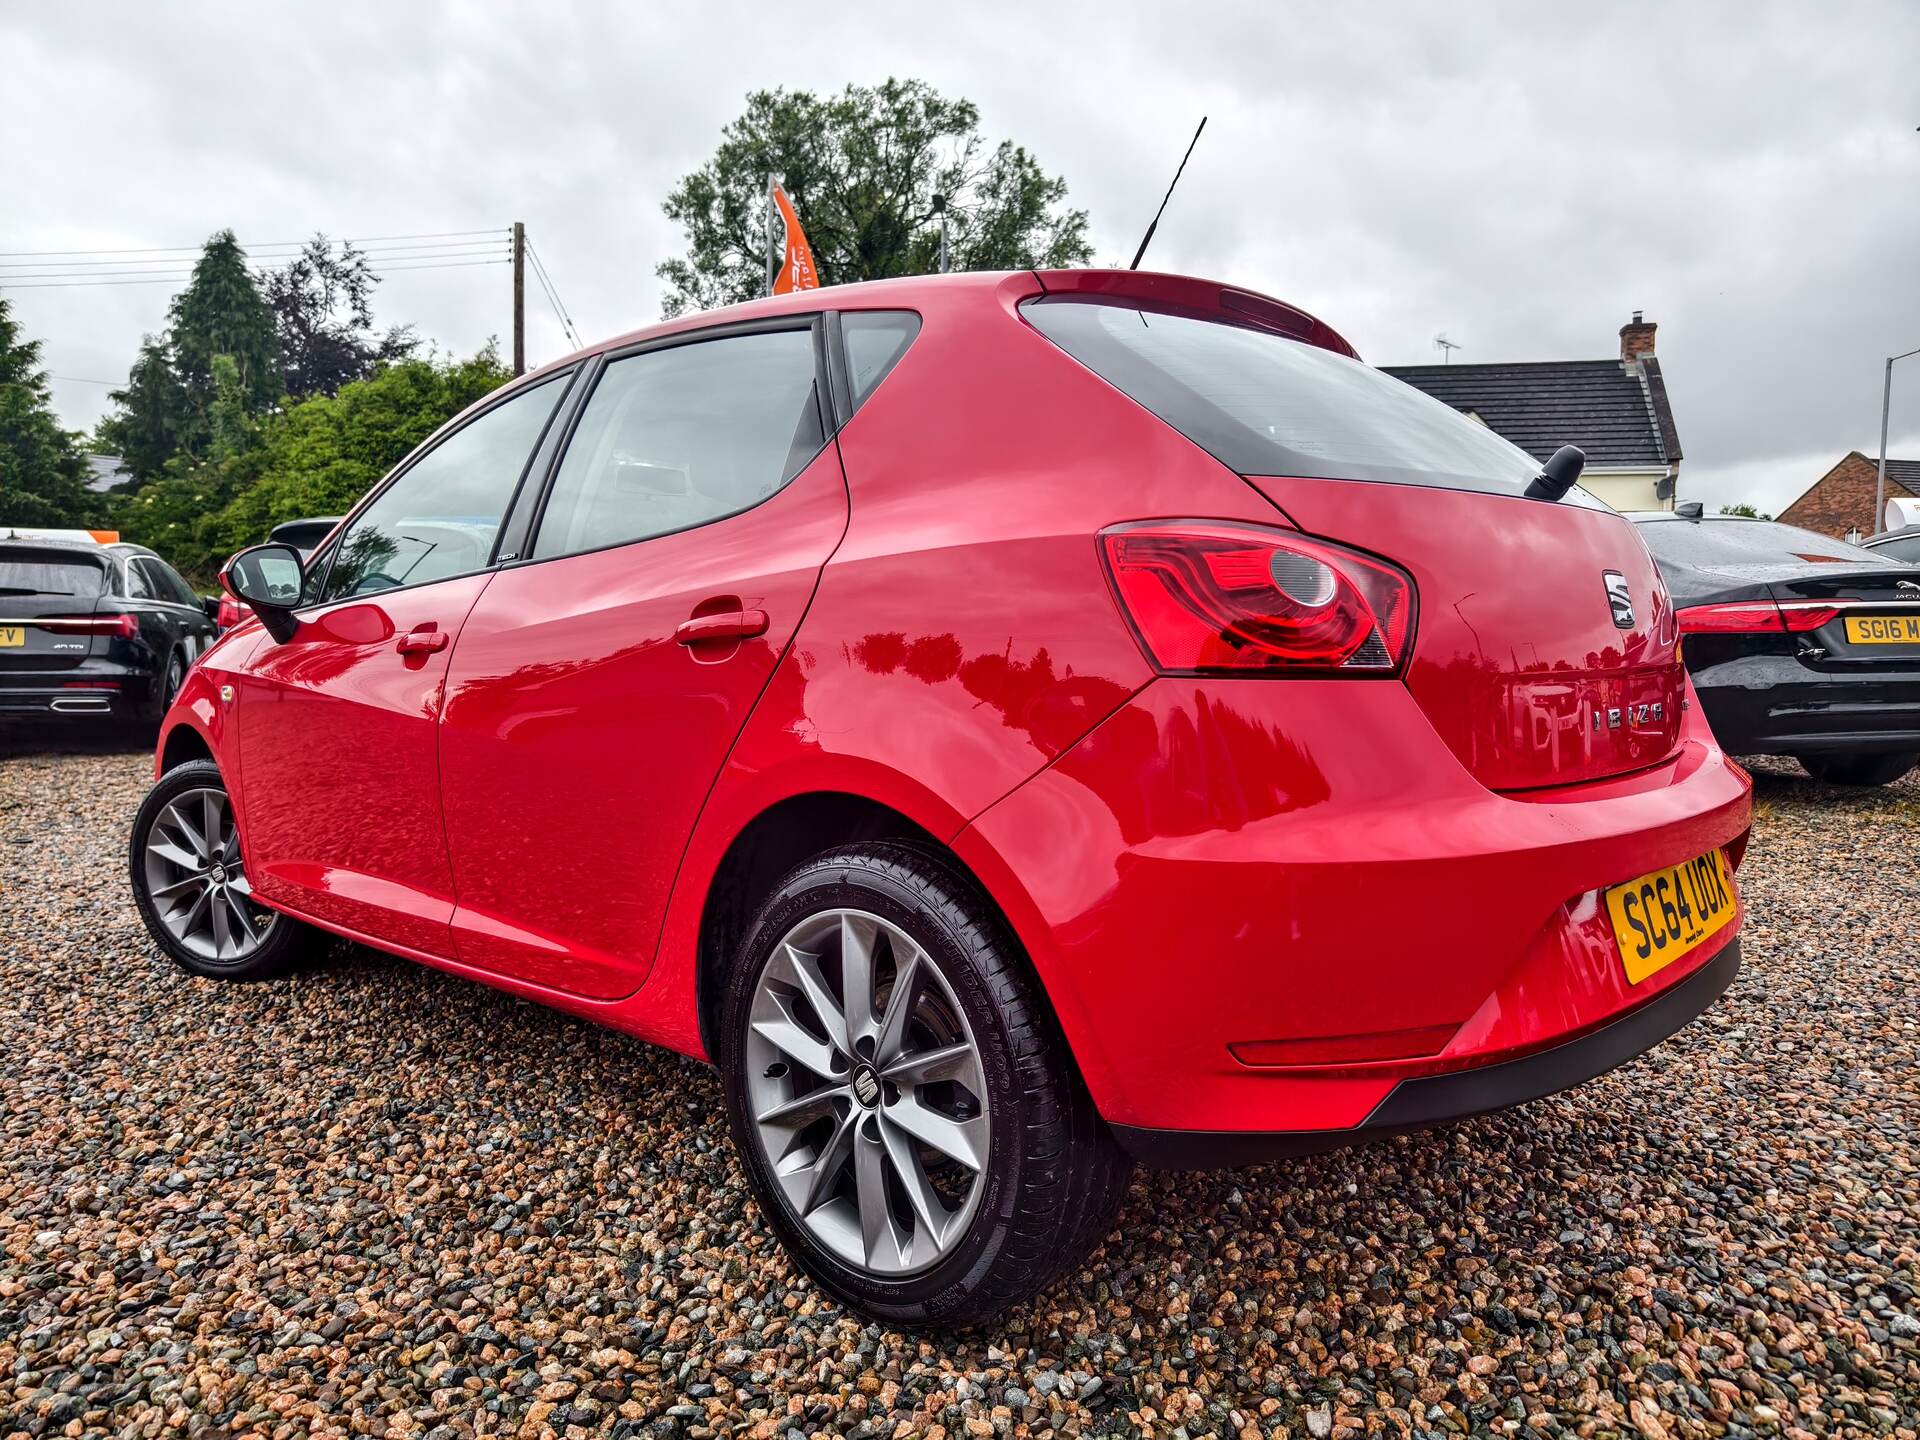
(1013, 725)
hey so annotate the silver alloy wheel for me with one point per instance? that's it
(868, 1100)
(195, 880)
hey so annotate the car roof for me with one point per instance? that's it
(128, 548)
(932, 292)
(1905, 532)
(34, 542)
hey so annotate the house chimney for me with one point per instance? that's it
(1636, 339)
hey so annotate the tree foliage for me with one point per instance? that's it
(863, 168)
(43, 474)
(1744, 509)
(146, 430)
(221, 312)
(312, 458)
(322, 304)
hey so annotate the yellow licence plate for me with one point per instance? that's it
(1664, 914)
(1883, 629)
(12, 636)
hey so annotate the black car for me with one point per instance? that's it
(1798, 644)
(1902, 544)
(101, 630)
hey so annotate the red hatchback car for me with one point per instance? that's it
(1013, 725)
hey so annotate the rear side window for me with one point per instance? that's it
(439, 518)
(1263, 404)
(875, 340)
(27, 573)
(679, 437)
(1741, 544)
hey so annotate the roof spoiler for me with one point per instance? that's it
(1202, 299)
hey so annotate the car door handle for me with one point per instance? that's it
(731, 625)
(422, 640)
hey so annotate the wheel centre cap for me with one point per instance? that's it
(218, 874)
(866, 1086)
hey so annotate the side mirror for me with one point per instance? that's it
(268, 580)
(211, 604)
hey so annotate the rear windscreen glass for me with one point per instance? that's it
(1741, 544)
(30, 574)
(1267, 405)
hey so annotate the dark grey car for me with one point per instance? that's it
(101, 631)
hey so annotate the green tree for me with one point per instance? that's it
(1744, 509)
(43, 474)
(863, 168)
(322, 305)
(312, 458)
(148, 427)
(221, 312)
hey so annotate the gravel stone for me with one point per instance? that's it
(372, 1198)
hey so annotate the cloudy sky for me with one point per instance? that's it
(1519, 177)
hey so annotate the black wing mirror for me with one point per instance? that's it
(267, 579)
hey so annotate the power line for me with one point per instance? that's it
(174, 278)
(263, 245)
(553, 296)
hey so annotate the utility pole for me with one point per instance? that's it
(1880, 483)
(519, 297)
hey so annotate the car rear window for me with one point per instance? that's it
(1718, 544)
(1266, 405)
(28, 573)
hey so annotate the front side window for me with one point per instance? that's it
(1264, 404)
(439, 518)
(678, 437)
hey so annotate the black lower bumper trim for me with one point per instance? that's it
(1428, 1100)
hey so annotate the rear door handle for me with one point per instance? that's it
(731, 625)
(422, 640)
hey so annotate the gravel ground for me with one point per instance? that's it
(375, 1199)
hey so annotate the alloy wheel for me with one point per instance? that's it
(196, 882)
(866, 1092)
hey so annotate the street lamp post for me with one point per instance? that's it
(1880, 483)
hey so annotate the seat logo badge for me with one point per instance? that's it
(1618, 598)
(866, 1085)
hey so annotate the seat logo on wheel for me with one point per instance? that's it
(1619, 598)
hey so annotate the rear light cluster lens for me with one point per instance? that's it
(230, 613)
(1756, 617)
(1209, 598)
(127, 627)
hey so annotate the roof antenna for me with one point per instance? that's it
(1147, 238)
(1445, 346)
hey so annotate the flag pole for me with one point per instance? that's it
(767, 232)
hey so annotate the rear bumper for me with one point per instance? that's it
(1428, 1100)
(1264, 907)
(101, 689)
(1775, 705)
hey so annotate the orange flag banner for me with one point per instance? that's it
(797, 273)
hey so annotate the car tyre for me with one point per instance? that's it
(957, 1242)
(1858, 769)
(191, 888)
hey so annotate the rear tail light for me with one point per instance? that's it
(1209, 598)
(229, 614)
(127, 627)
(1756, 617)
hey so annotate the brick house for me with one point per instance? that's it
(1614, 410)
(1840, 502)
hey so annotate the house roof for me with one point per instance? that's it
(1616, 415)
(1905, 472)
